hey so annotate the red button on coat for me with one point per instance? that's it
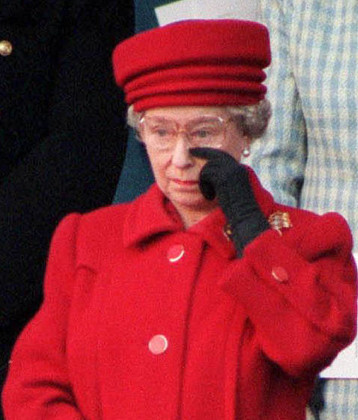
(280, 274)
(158, 344)
(175, 252)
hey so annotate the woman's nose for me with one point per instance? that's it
(181, 155)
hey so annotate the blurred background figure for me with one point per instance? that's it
(62, 135)
(308, 157)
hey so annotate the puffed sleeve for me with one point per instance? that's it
(299, 292)
(37, 386)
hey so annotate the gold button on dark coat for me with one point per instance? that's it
(5, 48)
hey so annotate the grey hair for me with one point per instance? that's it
(133, 118)
(252, 120)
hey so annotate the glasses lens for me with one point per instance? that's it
(208, 132)
(159, 132)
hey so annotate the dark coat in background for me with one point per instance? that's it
(62, 134)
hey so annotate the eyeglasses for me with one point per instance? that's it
(205, 131)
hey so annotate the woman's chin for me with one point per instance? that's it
(192, 199)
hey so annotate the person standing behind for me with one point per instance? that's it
(308, 157)
(62, 135)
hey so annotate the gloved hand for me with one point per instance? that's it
(227, 179)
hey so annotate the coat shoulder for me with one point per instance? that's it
(104, 222)
(304, 217)
(331, 228)
(95, 234)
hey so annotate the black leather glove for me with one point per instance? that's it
(227, 179)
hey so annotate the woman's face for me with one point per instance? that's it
(168, 133)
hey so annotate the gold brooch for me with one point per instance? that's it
(279, 220)
(228, 232)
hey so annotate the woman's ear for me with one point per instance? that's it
(138, 134)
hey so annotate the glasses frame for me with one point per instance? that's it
(178, 131)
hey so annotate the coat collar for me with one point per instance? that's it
(262, 196)
(148, 216)
(151, 215)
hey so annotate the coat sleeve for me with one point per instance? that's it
(299, 292)
(37, 386)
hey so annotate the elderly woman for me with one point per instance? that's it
(202, 299)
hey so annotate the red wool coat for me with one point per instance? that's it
(144, 320)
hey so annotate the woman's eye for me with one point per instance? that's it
(161, 132)
(202, 134)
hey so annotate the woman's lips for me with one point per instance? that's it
(187, 183)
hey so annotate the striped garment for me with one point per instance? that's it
(309, 155)
(340, 399)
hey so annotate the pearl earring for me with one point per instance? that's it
(246, 152)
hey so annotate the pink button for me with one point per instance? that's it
(175, 252)
(280, 274)
(158, 344)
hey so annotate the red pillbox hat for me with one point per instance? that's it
(194, 62)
